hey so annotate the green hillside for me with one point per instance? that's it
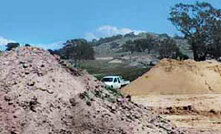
(112, 46)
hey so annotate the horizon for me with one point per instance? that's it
(48, 24)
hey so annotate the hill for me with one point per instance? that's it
(112, 46)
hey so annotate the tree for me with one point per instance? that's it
(77, 49)
(168, 49)
(130, 35)
(27, 45)
(114, 45)
(195, 22)
(10, 46)
(151, 43)
(140, 45)
(215, 40)
(129, 46)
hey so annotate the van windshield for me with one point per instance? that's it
(107, 79)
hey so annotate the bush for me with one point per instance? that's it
(10, 46)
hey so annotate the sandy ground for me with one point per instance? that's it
(186, 92)
(171, 77)
(195, 113)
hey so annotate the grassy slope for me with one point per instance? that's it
(102, 68)
(105, 49)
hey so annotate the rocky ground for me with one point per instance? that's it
(40, 94)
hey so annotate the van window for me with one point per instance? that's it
(115, 80)
(107, 79)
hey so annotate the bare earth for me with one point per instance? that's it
(194, 113)
(171, 77)
(40, 94)
(186, 92)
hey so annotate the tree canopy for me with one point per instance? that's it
(168, 49)
(140, 45)
(77, 49)
(200, 25)
(10, 46)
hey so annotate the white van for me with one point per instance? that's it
(114, 82)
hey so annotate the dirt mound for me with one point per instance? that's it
(39, 94)
(178, 77)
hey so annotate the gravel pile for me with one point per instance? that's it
(39, 94)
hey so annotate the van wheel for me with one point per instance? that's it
(112, 86)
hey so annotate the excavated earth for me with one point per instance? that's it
(40, 94)
(178, 77)
(186, 92)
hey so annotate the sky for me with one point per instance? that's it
(49, 23)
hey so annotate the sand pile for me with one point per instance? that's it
(178, 77)
(40, 95)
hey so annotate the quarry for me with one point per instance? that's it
(40, 93)
(186, 92)
(110, 67)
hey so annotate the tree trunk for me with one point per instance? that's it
(195, 55)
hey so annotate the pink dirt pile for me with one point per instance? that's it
(39, 94)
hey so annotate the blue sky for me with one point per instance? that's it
(48, 23)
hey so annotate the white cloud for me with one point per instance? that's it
(112, 30)
(108, 30)
(4, 41)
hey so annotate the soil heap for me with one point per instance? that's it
(39, 94)
(171, 77)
